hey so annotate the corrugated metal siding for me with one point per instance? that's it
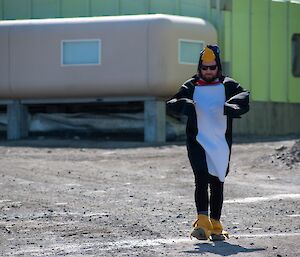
(241, 42)
(31, 9)
(133, 7)
(104, 7)
(45, 9)
(195, 8)
(227, 36)
(278, 52)
(165, 6)
(257, 45)
(260, 54)
(1, 10)
(15, 9)
(75, 8)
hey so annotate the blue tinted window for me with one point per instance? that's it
(189, 51)
(81, 52)
(296, 55)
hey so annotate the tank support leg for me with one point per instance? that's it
(17, 120)
(154, 121)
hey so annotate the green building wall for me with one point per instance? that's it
(259, 40)
(258, 50)
(255, 37)
(30, 9)
(278, 52)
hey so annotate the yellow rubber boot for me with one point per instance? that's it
(217, 232)
(202, 228)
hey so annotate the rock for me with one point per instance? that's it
(289, 156)
(281, 148)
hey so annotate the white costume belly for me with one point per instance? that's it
(212, 124)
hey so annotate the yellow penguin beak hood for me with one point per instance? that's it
(208, 55)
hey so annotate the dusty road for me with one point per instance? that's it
(88, 198)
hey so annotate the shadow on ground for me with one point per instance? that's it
(221, 248)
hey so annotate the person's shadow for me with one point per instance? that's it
(221, 248)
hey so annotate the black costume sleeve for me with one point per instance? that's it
(238, 103)
(181, 101)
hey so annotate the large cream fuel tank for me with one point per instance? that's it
(138, 55)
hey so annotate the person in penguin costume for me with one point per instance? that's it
(210, 101)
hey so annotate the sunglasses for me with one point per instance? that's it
(212, 67)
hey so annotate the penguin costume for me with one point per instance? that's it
(210, 101)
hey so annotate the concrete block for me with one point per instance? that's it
(154, 121)
(17, 120)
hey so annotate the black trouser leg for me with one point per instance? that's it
(201, 193)
(216, 197)
(197, 159)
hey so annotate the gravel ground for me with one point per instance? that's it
(100, 198)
